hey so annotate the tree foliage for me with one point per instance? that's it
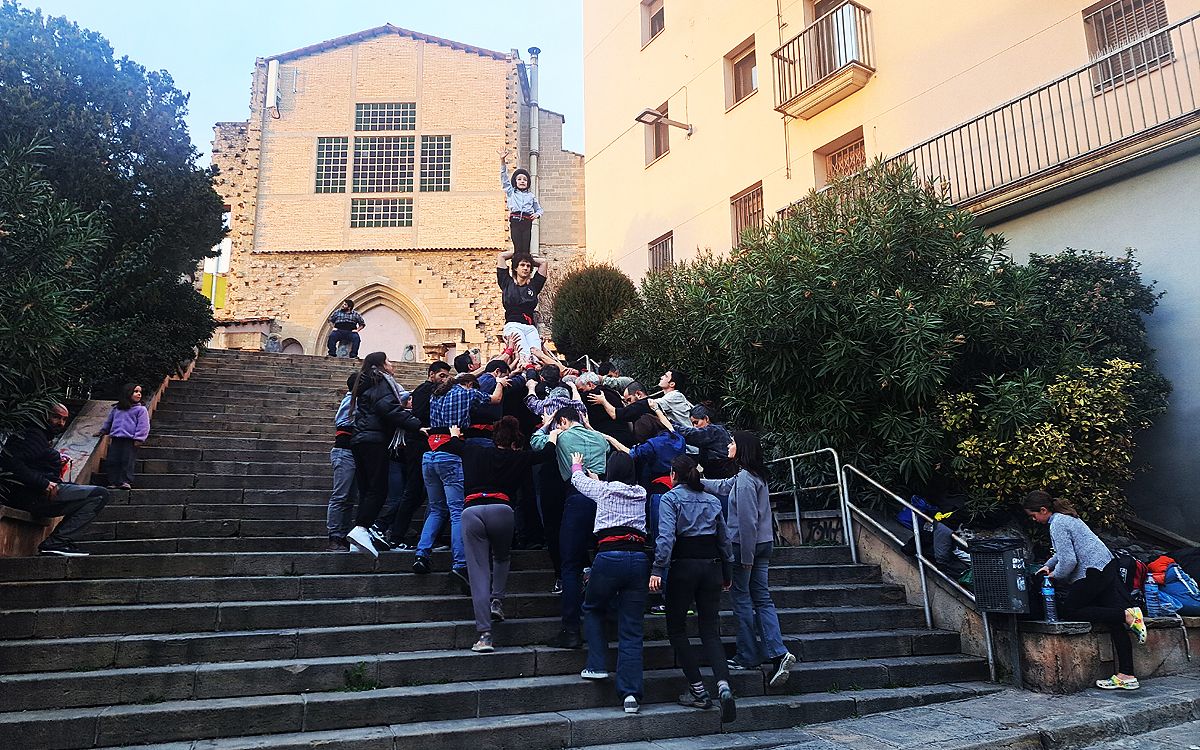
(588, 298)
(118, 146)
(848, 322)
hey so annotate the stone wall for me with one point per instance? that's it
(294, 255)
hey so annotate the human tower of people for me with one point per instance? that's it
(521, 450)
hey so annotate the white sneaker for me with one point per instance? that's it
(631, 705)
(361, 538)
(594, 674)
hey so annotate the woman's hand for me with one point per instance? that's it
(577, 458)
(655, 584)
(455, 431)
(504, 153)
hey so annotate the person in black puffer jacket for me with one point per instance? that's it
(379, 420)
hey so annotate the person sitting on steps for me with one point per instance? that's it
(346, 325)
(36, 468)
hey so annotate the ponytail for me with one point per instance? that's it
(686, 473)
(367, 376)
(1039, 499)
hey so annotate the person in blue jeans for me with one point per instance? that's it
(759, 638)
(339, 518)
(620, 572)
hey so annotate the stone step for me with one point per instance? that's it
(102, 687)
(226, 527)
(242, 422)
(320, 434)
(160, 466)
(126, 547)
(177, 399)
(299, 563)
(212, 511)
(157, 452)
(203, 439)
(596, 726)
(296, 409)
(806, 608)
(224, 481)
(113, 591)
(218, 388)
(144, 496)
(174, 720)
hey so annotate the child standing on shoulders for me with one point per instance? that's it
(523, 206)
(127, 427)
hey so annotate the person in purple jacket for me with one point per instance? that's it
(127, 427)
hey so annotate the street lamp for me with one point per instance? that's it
(653, 117)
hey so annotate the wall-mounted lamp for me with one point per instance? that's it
(653, 117)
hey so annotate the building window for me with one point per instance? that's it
(741, 73)
(435, 163)
(383, 164)
(658, 141)
(653, 20)
(841, 157)
(746, 209)
(331, 165)
(386, 116)
(381, 212)
(1113, 25)
(662, 252)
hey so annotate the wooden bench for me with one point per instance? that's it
(21, 532)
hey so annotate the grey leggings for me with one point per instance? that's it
(487, 529)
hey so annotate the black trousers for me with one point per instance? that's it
(371, 473)
(521, 230)
(696, 581)
(119, 461)
(527, 520)
(1101, 597)
(77, 504)
(414, 495)
(552, 493)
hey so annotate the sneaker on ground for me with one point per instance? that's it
(460, 575)
(1116, 683)
(337, 544)
(484, 644)
(783, 668)
(497, 610)
(405, 547)
(1138, 626)
(659, 610)
(566, 639)
(691, 700)
(362, 541)
(728, 707)
(736, 666)
(421, 565)
(631, 704)
(61, 549)
(557, 586)
(594, 674)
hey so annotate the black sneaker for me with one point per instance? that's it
(421, 566)
(61, 549)
(557, 589)
(691, 700)
(783, 666)
(566, 639)
(379, 539)
(460, 575)
(728, 707)
(497, 609)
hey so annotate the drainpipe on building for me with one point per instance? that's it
(534, 142)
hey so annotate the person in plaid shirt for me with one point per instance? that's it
(346, 325)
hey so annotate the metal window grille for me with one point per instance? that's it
(745, 76)
(1117, 24)
(331, 165)
(381, 212)
(385, 116)
(846, 161)
(383, 164)
(662, 252)
(747, 210)
(435, 163)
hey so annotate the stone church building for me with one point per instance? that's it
(368, 170)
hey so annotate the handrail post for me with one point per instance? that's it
(916, 527)
(796, 501)
(844, 502)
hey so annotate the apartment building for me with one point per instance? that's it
(1058, 123)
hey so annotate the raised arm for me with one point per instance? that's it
(503, 258)
(505, 183)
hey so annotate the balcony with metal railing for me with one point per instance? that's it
(825, 63)
(1128, 102)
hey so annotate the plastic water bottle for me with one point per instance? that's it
(1048, 596)
(1153, 603)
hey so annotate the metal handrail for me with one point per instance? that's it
(839, 484)
(923, 563)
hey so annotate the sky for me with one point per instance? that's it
(209, 46)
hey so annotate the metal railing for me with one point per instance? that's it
(924, 565)
(834, 41)
(837, 484)
(1132, 92)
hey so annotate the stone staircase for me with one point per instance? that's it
(208, 617)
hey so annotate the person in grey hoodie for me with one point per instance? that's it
(694, 544)
(759, 637)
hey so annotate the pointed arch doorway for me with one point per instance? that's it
(394, 324)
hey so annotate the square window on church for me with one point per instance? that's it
(383, 163)
(435, 163)
(385, 116)
(381, 212)
(331, 165)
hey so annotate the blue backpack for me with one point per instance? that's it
(1180, 589)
